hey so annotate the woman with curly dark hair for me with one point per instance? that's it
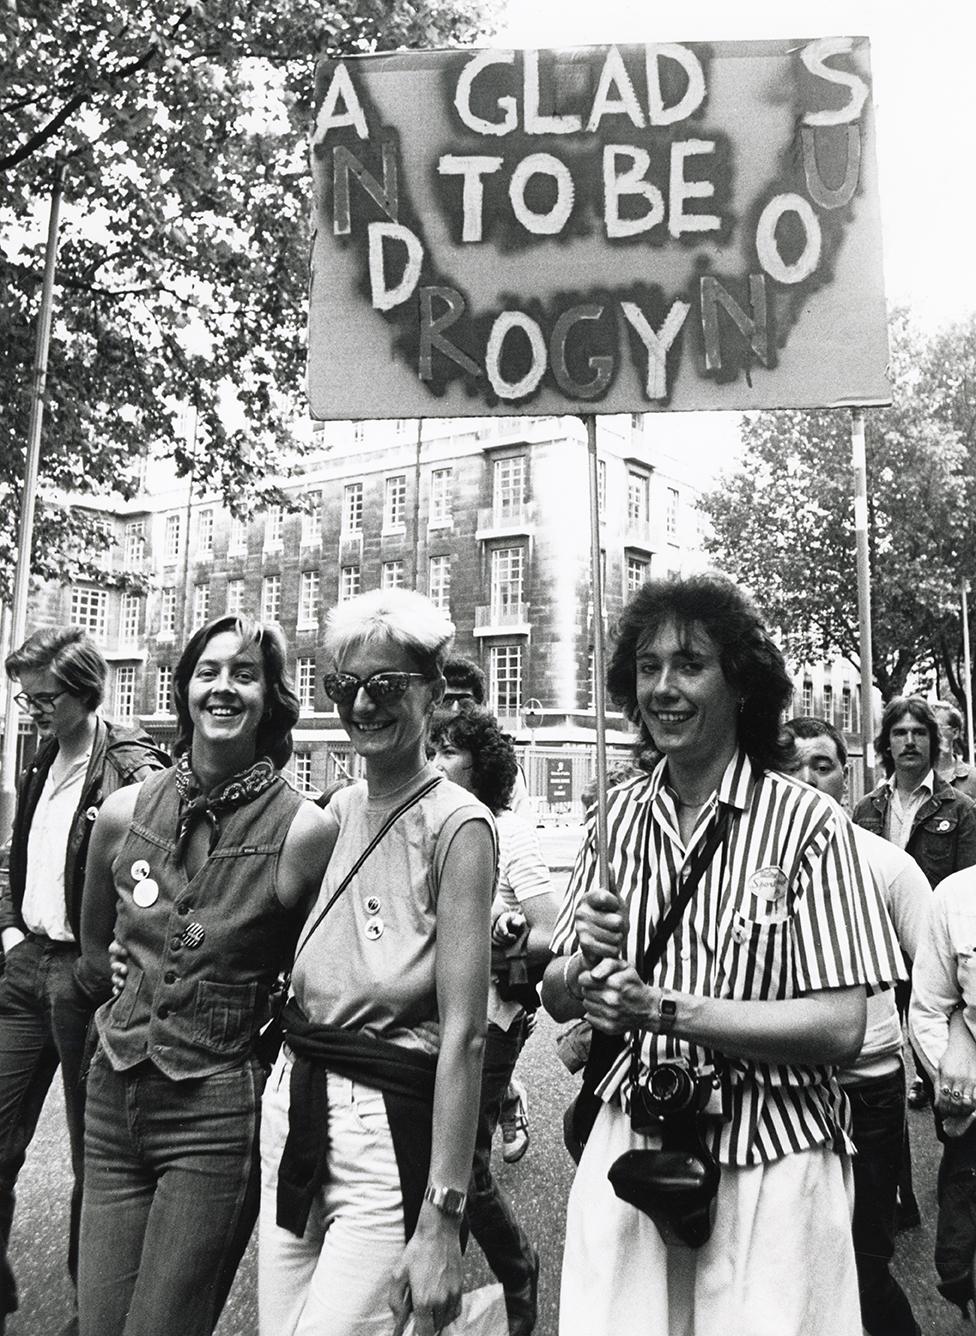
(724, 973)
(470, 748)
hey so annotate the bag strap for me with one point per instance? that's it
(390, 821)
(648, 960)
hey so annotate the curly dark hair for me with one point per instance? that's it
(919, 710)
(474, 729)
(282, 707)
(751, 663)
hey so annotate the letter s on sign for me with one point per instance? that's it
(813, 55)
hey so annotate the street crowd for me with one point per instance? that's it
(305, 1017)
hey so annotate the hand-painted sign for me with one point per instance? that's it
(603, 229)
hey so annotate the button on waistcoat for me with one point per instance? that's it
(203, 953)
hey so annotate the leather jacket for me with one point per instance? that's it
(119, 756)
(943, 837)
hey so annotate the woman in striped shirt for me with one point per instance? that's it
(761, 984)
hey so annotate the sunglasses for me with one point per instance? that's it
(44, 700)
(381, 688)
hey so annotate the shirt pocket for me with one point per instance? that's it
(755, 957)
(224, 1015)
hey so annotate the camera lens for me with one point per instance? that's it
(670, 1087)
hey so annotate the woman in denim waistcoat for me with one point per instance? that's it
(204, 875)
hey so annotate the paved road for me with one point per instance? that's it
(538, 1185)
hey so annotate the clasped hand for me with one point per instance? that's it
(615, 998)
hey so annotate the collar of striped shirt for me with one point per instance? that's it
(734, 788)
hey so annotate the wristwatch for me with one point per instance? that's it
(448, 1200)
(667, 1014)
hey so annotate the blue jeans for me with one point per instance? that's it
(43, 1022)
(878, 1108)
(171, 1195)
(500, 1236)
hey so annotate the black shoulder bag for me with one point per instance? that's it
(605, 1048)
(269, 1039)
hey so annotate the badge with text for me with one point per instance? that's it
(768, 884)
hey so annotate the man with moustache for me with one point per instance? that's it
(44, 1013)
(913, 807)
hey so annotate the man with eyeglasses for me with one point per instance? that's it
(44, 1008)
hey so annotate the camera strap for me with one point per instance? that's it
(648, 960)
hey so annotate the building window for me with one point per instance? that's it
(305, 683)
(601, 487)
(89, 609)
(395, 503)
(273, 524)
(205, 532)
(312, 521)
(270, 598)
(392, 575)
(125, 693)
(637, 499)
(172, 538)
(440, 496)
(201, 604)
(828, 702)
(167, 611)
(439, 583)
(349, 583)
(134, 543)
(506, 579)
(671, 514)
(235, 598)
(847, 709)
(358, 433)
(164, 689)
(238, 535)
(806, 697)
(302, 761)
(129, 618)
(508, 493)
(638, 571)
(403, 426)
(352, 507)
(591, 679)
(308, 598)
(505, 679)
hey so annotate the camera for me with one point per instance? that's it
(670, 1090)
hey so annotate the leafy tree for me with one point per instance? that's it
(185, 237)
(783, 521)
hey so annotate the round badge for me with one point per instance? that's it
(193, 935)
(145, 892)
(372, 905)
(139, 869)
(943, 825)
(374, 928)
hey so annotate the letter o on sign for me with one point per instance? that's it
(504, 324)
(542, 224)
(767, 247)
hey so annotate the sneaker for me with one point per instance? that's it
(917, 1096)
(515, 1124)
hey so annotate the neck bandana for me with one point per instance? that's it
(234, 792)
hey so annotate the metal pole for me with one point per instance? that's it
(968, 670)
(18, 607)
(863, 593)
(599, 654)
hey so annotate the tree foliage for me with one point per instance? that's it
(183, 259)
(783, 520)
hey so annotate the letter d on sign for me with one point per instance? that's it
(383, 297)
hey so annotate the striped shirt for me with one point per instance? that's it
(781, 910)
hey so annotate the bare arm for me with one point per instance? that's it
(823, 1026)
(305, 855)
(429, 1275)
(98, 904)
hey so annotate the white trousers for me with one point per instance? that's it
(780, 1261)
(335, 1281)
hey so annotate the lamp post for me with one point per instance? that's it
(533, 716)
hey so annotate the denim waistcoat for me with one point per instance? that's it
(203, 957)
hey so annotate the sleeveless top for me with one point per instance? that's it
(370, 964)
(204, 955)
